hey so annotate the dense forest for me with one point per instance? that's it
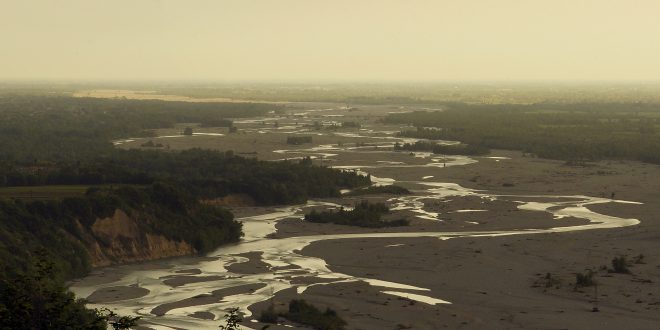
(202, 173)
(49, 142)
(55, 128)
(584, 131)
(63, 226)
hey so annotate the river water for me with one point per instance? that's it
(286, 264)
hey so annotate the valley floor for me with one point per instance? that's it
(491, 281)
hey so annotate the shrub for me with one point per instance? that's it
(584, 280)
(268, 315)
(296, 140)
(304, 313)
(552, 281)
(620, 265)
(232, 319)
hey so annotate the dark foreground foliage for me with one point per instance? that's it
(36, 298)
(364, 214)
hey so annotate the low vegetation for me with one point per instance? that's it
(350, 124)
(364, 214)
(620, 265)
(453, 149)
(268, 315)
(584, 279)
(212, 122)
(307, 314)
(550, 280)
(297, 140)
(373, 190)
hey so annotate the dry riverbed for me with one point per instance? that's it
(491, 282)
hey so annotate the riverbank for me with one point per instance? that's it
(479, 238)
(498, 282)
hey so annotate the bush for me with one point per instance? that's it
(620, 265)
(36, 298)
(296, 140)
(268, 315)
(584, 280)
(552, 281)
(304, 313)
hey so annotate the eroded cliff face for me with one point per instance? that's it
(120, 239)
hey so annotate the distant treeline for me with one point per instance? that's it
(38, 128)
(454, 149)
(583, 131)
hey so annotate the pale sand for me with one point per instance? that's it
(491, 282)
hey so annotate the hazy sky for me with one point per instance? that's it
(330, 39)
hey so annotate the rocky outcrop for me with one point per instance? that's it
(121, 239)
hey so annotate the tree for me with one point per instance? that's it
(118, 322)
(36, 299)
(231, 320)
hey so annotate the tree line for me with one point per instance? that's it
(582, 131)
